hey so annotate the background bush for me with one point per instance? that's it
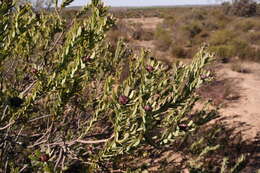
(244, 8)
(163, 38)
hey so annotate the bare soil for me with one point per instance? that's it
(149, 23)
(246, 110)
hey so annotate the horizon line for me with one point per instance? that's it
(165, 6)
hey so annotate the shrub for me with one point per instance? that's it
(254, 37)
(197, 14)
(178, 51)
(226, 7)
(141, 34)
(241, 48)
(257, 55)
(222, 37)
(247, 24)
(117, 32)
(224, 52)
(163, 38)
(193, 29)
(217, 19)
(169, 21)
(66, 107)
(244, 8)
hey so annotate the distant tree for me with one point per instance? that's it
(47, 4)
(226, 6)
(243, 8)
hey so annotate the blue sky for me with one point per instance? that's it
(149, 2)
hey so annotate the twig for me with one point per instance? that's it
(41, 142)
(8, 125)
(38, 118)
(56, 42)
(81, 141)
(28, 88)
(19, 133)
(62, 163)
(117, 170)
(10, 67)
(6, 165)
(25, 166)
(92, 142)
(59, 159)
(4, 112)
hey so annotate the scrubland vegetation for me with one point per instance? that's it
(75, 96)
(230, 30)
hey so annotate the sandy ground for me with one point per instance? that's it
(244, 114)
(246, 111)
(149, 23)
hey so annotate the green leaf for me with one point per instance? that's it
(66, 3)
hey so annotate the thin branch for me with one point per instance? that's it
(93, 142)
(56, 42)
(38, 118)
(59, 159)
(28, 88)
(4, 112)
(39, 143)
(8, 125)
(81, 141)
(19, 133)
(23, 168)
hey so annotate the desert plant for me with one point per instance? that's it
(224, 52)
(163, 38)
(254, 37)
(178, 51)
(139, 33)
(244, 8)
(65, 105)
(193, 29)
(222, 37)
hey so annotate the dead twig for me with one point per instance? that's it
(38, 118)
(59, 158)
(7, 126)
(81, 141)
(28, 88)
(23, 168)
(39, 141)
(4, 112)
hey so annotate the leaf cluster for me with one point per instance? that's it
(66, 96)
